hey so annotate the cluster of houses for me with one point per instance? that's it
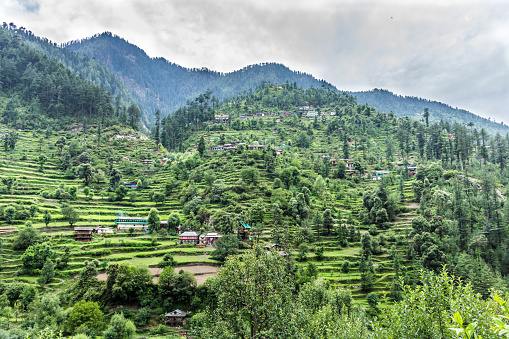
(307, 112)
(205, 239)
(233, 147)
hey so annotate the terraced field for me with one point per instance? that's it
(34, 187)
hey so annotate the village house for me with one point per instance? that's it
(83, 234)
(217, 149)
(176, 318)
(164, 160)
(188, 237)
(132, 185)
(276, 247)
(221, 117)
(311, 114)
(349, 164)
(380, 174)
(211, 238)
(147, 162)
(125, 223)
(103, 230)
(256, 147)
(244, 230)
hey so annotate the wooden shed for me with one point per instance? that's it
(83, 234)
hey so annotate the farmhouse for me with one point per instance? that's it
(188, 238)
(244, 230)
(276, 247)
(125, 223)
(221, 117)
(103, 230)
(83, 234)
(349, 165)
(133, 185)
(380, 174)
(176, 318)
(210, 238)
(312, 114)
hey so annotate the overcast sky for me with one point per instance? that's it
(456, 52)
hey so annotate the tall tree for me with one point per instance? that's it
(426, 116)
(157, 129)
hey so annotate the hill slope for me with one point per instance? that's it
(386, 101)
(159, 84)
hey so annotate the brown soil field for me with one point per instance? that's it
(201, 272)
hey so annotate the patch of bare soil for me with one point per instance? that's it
(201, 272)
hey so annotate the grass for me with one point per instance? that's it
(38, 188)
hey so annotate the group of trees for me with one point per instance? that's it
(44, 92)
(257, 296)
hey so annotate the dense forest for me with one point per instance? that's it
(159, 84)
(336, 220)
(386, 101)
(39, 92)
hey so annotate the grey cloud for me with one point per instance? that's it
(456, 53)
(31, 6)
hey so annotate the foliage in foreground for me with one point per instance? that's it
(257, 297)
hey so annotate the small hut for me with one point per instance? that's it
(244, 230)
(83, 234)
(276, 247)
(176, 318)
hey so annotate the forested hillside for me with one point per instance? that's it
(159, 84)
(38, 92)
(402, 106)
(91, 70)
(132, 77)
(354, 256)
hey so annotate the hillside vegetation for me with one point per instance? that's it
(337, 220)
(358, 235)
(386, 101)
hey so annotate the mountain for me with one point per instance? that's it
(130, 75)
(159, 84)
(40, 92)
(386, 101)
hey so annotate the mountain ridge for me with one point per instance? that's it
(402, 105)
(157, 80)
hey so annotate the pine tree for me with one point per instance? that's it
(158, 128)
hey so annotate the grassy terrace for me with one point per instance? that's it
(35, 187)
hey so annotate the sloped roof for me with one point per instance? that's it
(176, 313)
(83, 228)
(189, 234)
